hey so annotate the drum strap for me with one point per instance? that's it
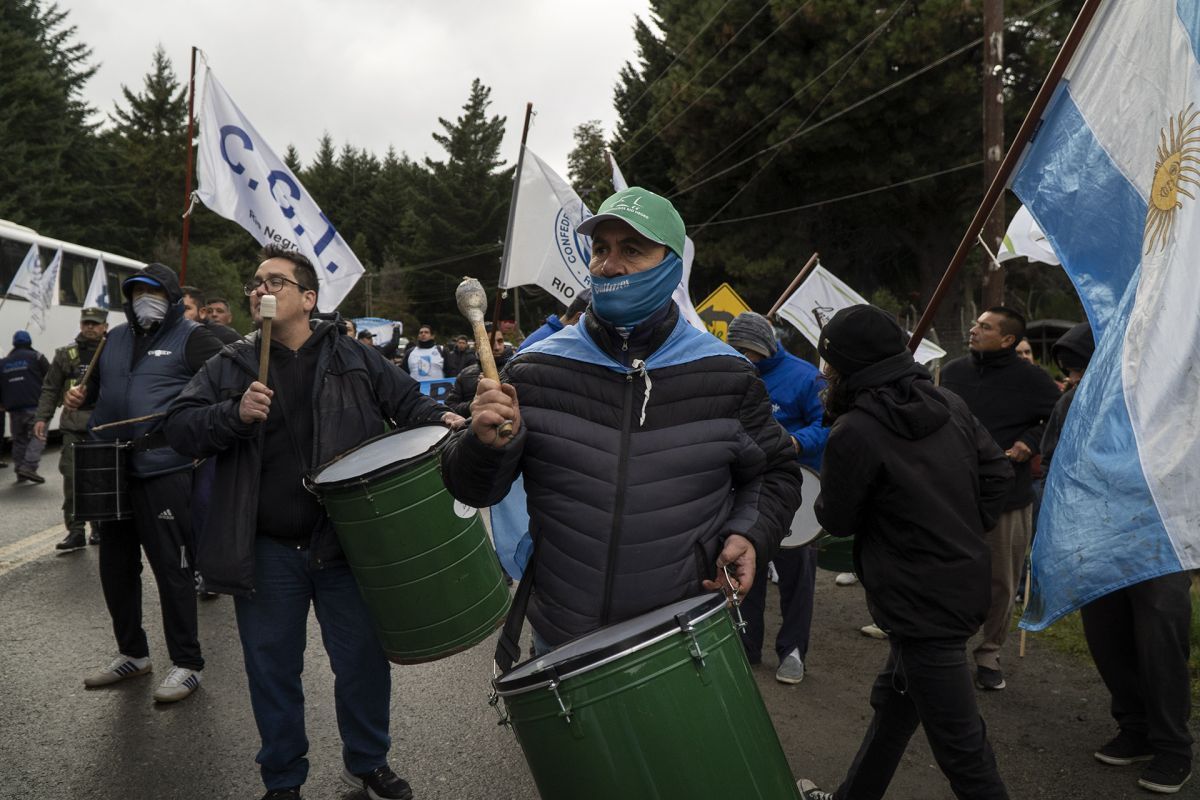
(508, 647)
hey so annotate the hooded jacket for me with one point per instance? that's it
(356, 395)
(1012, 398)
(1076, 345)
(640, 455)
(794, 386)
(140, 371)
(911, 474)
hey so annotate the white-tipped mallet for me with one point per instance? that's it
(472, 302)
(266, 310)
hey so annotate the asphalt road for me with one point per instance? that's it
(58, 740)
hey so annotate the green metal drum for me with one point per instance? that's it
(836, 553)
(423, 561)
(659, 707)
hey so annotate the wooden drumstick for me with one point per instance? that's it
(87, 373)
(266, 310)
(472, 302)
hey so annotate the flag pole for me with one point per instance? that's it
(187, 191)
(992, 195)
(512, 216)
(812, 262)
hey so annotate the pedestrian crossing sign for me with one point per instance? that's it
(719, 308)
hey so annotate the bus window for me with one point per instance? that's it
(74, 278)
(12, 253)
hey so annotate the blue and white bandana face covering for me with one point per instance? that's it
(626, 300)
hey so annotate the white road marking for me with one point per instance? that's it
(30, 548)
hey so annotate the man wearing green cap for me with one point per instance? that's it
(651, 457)
(66, 370)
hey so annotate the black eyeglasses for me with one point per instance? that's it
(275, 285)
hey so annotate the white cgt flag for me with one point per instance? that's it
(243, 180)
(681, 295)
(821, 296)
(97, 293)
(45, 292)
(1024, 239)
(543, 247)
(24, 283)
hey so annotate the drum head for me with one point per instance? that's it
(608, 643)
(382, 454)
(805, 527)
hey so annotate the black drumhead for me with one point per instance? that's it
(590, 650)
(381, 454)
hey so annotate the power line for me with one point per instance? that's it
(851, 196)
(869, 37)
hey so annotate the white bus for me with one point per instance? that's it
(62, 321)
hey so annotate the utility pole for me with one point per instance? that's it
(993, 142)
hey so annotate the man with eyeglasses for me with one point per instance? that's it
(143, 366)
(275, 549)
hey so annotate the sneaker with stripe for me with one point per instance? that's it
(179, 683)
(122, 667)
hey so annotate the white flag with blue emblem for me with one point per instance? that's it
(1112, 178)
(97, 293)
(243, 180)
(24, 283)
(45, 292)
(543, 247)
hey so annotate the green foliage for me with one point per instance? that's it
(587, 168)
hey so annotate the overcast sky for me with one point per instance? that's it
(376, 72)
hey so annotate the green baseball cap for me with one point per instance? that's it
(93, 315)
(651, 215)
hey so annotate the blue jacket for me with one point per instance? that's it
(552, 326)
(21, 376)
(795, 389)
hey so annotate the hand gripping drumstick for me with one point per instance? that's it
(266, 310)
(472, 302)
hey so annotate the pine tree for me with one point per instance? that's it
(587, 168)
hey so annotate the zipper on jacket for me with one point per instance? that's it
(614, 541)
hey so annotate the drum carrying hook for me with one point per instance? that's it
(494, 699)
(735, 601)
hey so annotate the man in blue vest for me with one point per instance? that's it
(794, 386)
(21, 375)
(143, 367)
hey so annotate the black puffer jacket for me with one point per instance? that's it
(630, 515)
(916, 480)
(354, 396)
(1012, 398)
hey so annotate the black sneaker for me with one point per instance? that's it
(94, 536)
(1166, 774)
(379, 784)
(29, 475)
(988, 679)
(283, 794)
(1123, 750)
(74, 541)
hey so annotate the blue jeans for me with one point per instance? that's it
(273, 628)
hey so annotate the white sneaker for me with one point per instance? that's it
(122, 667)
(874, 631)
(772, 573)
(179, 683)
(846, 579)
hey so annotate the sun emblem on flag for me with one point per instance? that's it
(1175, 166)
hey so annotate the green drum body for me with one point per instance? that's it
(423, 561)
(836, 553)
(659, 707)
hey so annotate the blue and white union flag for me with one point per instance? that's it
(1113, 180)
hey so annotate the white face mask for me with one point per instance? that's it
(149, 309)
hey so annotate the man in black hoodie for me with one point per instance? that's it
(1012, 398)
(1138, 636)
(915, 479)
(143, 366)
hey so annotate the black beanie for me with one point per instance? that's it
(858, 337)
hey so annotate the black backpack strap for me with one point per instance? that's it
(508, 648)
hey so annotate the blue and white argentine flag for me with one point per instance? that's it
(1113, 179)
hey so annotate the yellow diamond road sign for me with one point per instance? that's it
(719, 308)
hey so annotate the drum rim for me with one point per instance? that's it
(603, 656)
(313, 478)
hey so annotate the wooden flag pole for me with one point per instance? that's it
(992, 195)
(187, 186)
(808, 267)
(512, 215)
